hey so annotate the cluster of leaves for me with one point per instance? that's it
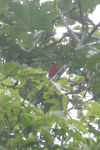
(24, 123)
(33, 113)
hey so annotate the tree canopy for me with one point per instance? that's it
(34, 114)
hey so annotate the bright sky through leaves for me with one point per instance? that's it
(95, 16)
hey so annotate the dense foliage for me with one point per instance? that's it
(34, 114)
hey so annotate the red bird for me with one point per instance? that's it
(53, 69)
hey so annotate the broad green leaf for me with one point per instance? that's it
(76, 78)
(64, 5)
(32, 16)
(63, 82)
(16, 127)
(8, 81)
(10, 69)
(53, 108)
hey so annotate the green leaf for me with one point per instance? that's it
(46, 95)
(32, 16)
(36, 125)
(79, 125)
(82, 93)
(58, 113)
(64, 5)
(16, 127)
(76, 135)
(64, 102)
(52, 101)
(77, 27)
(76, 78)
(10, 69)
(63, 82)
(1, 76)
(47, 136)
(30, 115)
(38, 70)
(31, 141)
(20, 85)
(8, 82)
(54, 108)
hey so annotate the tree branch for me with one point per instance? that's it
(93, 43)
(80, 9)
(34, 45)
(65, 13)
(67, 27)
(43, 39)
(60, 72)
(94, 29)
(81, 16)
(64, 35)
(2, 128)
(87, 100)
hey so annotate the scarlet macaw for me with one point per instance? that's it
(53, 69)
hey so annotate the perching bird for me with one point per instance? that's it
(53, 69)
